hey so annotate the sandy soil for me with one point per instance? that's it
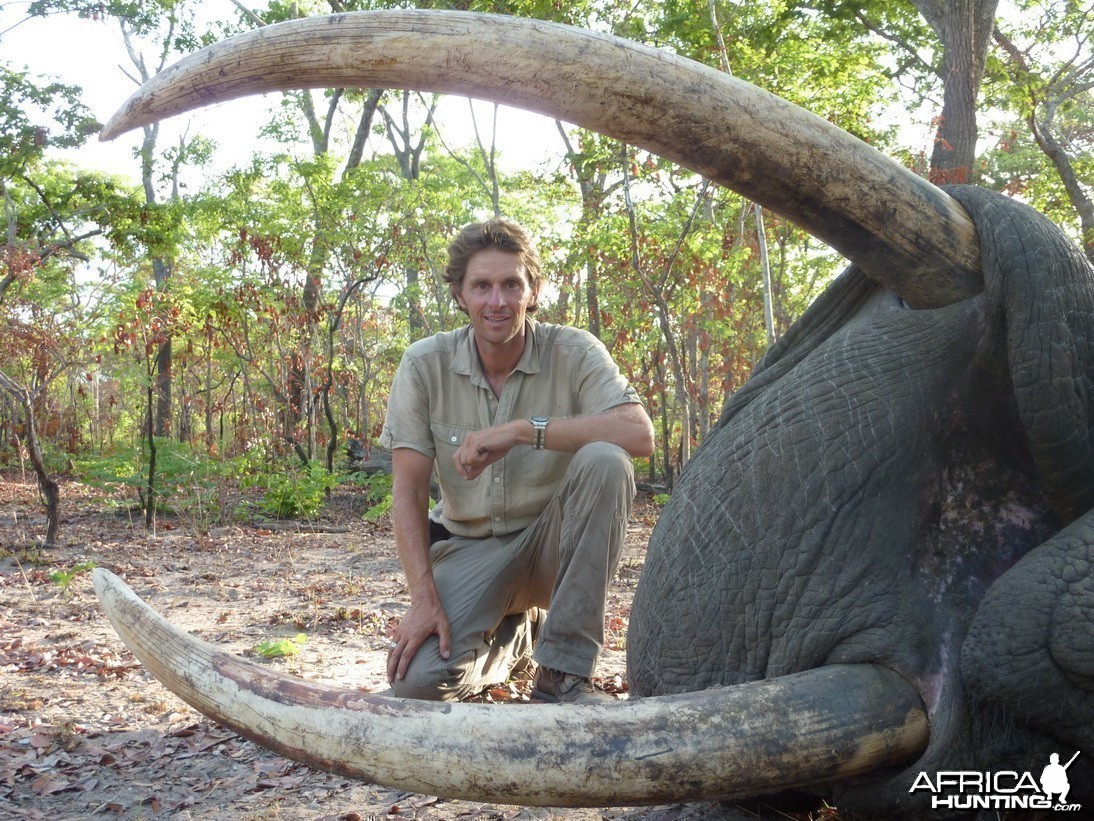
(86, 732)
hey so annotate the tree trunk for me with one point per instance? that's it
(408, 153)
(1076, 193)
(164, 401)
(150, 486)
(667, 333)
(964, 28)
(332, 333)
(592, 181)
(160, 422)
(47, 485)
(209, 439)
(592, 298)
(761, 237)
(765, 269)
(161, 273)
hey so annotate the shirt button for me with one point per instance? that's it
(497, 518)
(453, 440)
(497, 479)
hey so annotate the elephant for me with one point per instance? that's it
(876, 569)
(910, 488)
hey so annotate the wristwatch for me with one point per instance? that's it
(539, 423)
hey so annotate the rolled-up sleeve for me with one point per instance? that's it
(407, 422)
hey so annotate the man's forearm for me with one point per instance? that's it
(411, 530)
(627, 426)
(410, 511)
(426, 616)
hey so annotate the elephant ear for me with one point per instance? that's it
(1042, 289)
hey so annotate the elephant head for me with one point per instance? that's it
(876, 565)
(909, 488)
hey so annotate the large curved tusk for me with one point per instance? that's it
(900, 229)
(822, 725)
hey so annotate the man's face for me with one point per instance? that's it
(496, 294)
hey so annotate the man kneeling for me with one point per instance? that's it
(532, 429)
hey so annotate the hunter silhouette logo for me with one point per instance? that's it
(1054, 777)
(1002, 790)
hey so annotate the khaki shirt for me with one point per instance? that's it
(440, 394)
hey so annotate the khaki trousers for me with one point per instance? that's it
(564, 561)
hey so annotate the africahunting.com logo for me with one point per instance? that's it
(1003, 790)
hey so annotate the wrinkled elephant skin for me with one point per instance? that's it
(891, 486)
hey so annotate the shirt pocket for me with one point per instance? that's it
(446, 441)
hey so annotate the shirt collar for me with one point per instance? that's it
(467, 362)
(530, 360)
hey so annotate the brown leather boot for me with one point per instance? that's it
(556, 687)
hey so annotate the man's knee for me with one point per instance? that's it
(430, 677)
(430, 684)
(413, 687)
(603, 461)
(490, 659)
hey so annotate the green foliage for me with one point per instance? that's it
(823, 59)
(58, 208)
(1038, 90)
(280, 648)
(378, 486)
(188, 480)
(379, 509)
(108, 472)
(64, 578)
(661, 499)
(35, 116)
(296, 493)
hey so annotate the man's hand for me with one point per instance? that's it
(420, 622)
(482, 448)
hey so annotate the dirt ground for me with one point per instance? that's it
(86, 732)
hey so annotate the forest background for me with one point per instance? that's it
(232, 313)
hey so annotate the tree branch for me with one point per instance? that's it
(250, 15)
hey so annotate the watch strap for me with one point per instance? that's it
(539, 427)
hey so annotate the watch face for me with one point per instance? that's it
(539, 420)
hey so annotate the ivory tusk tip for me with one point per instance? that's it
(117, 125)
(100, 577)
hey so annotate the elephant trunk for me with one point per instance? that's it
(822, 725)
(900, 229)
